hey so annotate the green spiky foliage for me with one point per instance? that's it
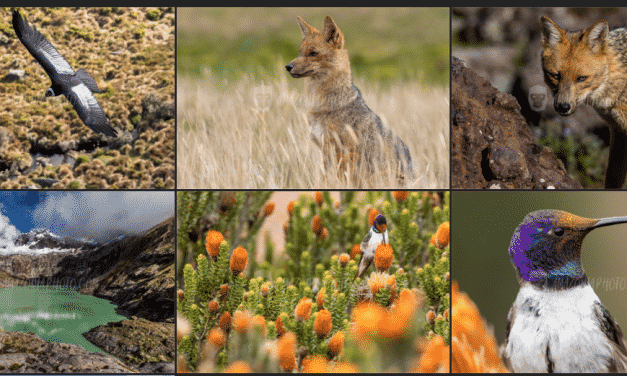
(314, 267)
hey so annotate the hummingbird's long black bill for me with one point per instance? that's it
(609, 221)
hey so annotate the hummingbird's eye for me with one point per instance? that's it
(558, 231)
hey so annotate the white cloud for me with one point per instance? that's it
(8, 232)
(102, 216)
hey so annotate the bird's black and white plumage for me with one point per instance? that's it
(76, 86)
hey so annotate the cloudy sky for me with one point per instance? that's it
(98, 216)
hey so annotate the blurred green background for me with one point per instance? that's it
(384, 44)
(483, 224)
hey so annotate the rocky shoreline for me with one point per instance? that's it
(136, 273)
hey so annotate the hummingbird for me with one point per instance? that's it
(378, 234)
(557, 323)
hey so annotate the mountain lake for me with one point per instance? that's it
(55, 313)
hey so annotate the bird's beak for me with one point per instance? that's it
(609, 221)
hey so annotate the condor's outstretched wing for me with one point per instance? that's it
(88, 109)
(41, 49)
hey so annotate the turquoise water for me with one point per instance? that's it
(56, 314)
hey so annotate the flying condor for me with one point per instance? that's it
(76, 86)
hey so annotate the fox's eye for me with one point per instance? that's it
(582, 78)
(312, 53)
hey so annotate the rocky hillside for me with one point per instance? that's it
(492, 145)
(136, 273)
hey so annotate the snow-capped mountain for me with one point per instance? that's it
(39, 241)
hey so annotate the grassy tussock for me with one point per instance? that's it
(252, 134)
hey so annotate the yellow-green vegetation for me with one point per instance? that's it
(301, 307)
(136, 80)
(384, 44)
(242, 119)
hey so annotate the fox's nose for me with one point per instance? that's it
(562, 108)
(289, 67)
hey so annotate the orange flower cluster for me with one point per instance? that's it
(214, 238)
(344, 259)
(318, 198)
(303, 309)
(239, 259)
(435, 357)
(316, 224)
(287, 351)
(323, 324)
(213, 306)
(217, 337)
(239, 366)
(268, 209)
(379, 280)
(225, 321)
(356, 250)
(290, 207)
(315, 364)
(242, 320)
(443, 235)
(280, 329)
(336, 344)
(383, 257)
(400, 195)
(320, 297)
(474, 346)
(259, 322)
(372, 320)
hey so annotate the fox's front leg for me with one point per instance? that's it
(617, 164)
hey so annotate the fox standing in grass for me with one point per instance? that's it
(351, 136)
(590, 67)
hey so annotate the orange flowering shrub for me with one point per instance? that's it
(474, 346)
(308, 311)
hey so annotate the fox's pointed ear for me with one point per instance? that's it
(551, 33)
(596, 36)
(305, 28)
(332, 33)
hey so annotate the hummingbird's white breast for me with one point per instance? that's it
(558, 330)
(376, 238)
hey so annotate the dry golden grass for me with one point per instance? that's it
(249, 134)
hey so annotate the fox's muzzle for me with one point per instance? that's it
(562, 108)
